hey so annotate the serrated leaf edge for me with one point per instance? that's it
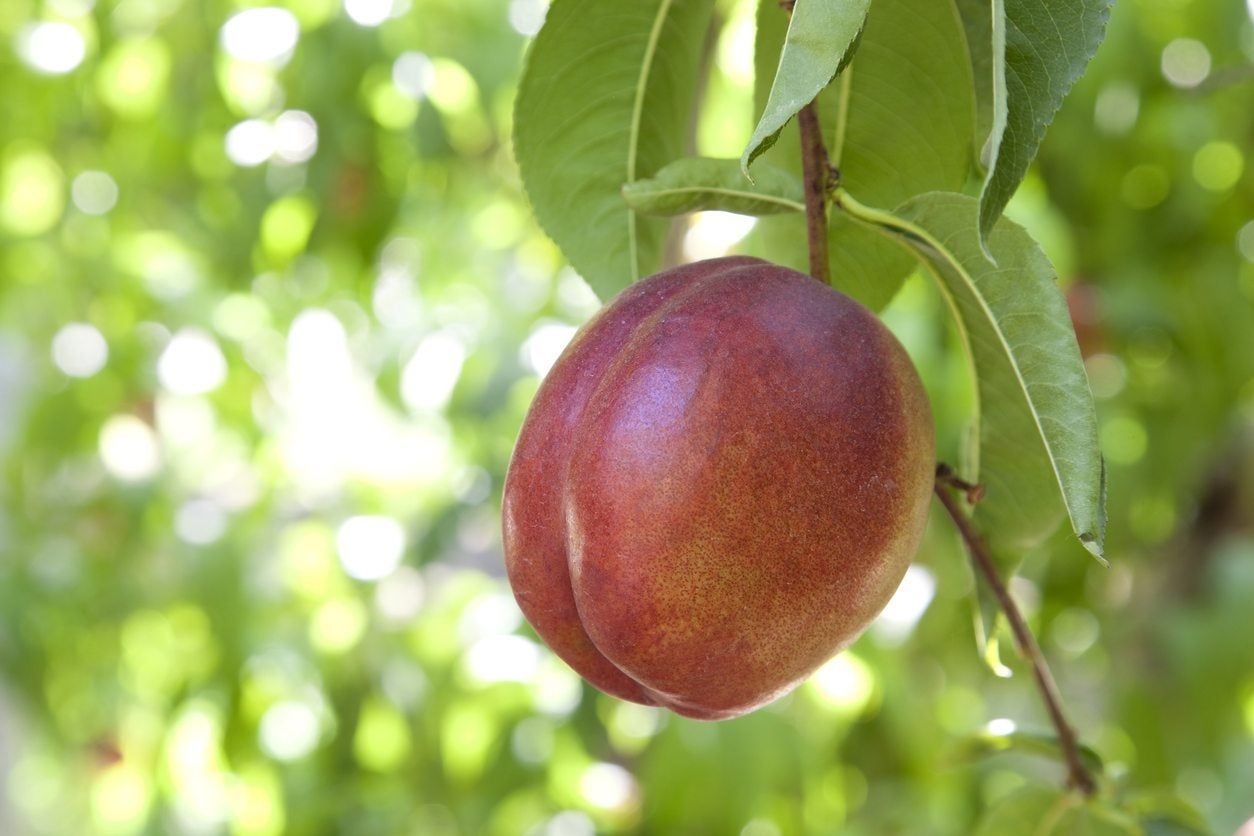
(886, 222)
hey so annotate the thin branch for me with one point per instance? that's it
(817, 174)
(1078, 775)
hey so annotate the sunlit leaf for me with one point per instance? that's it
(817, 44)
(604, 100)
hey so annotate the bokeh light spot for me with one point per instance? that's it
(413, 74)
(1107, 374)
(400, 595)
(1217, 166)
(1000, 726)
(845, 684)
(527, 16)
(428, 379)
(286, 227)
(192, 363)
(369, 13)
(128, 448)
(79, 350)
(289, 730)
(503, 659)
(1185, 62)
(453, 88)
(390, 106)
(1074, 630)
(134, 76)
(200, 522)
(120, 797)
(608, 786)
(267, 35)
(250, 143)
(532, 740)
(370, 547)
(906, 606)
(32, 191)
(382, 740)
(295, 136)
(1124, 440)
(1245, 242)
(94, 192)
(713, 234)
(338, 625)
(52, 48)
(1117, 108)
(545, 344)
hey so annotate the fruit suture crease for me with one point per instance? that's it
(718, 486)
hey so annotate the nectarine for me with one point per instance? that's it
(718, 486)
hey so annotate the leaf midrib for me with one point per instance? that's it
(637, 116)
(736, 193)
(885, 221)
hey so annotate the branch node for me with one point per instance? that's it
(833, 179)
(946, 475)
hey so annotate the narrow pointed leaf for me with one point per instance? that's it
(700, 183)
(605, 99)
(1037, 810)
(1038, 452)
(987, 744)
(1164, 813)
(1040, 49)
(817, 44)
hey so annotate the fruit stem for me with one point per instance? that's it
(1078, 775)
(817, 173)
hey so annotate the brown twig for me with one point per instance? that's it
(1078, 775)
(817, 173)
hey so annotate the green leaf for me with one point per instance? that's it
(1097, 818)
(1040, 49)
(1163, 813)
(700, 183)
(986, 744)
(977, 20)
(1037, 426)
(899, 122)
(817, 44)
(1049, 811)
(1028, 811)
(605, 99)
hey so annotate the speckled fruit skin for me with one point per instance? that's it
(718, 486)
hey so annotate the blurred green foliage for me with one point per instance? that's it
(271, 311)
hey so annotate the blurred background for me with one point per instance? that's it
(272, 308)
